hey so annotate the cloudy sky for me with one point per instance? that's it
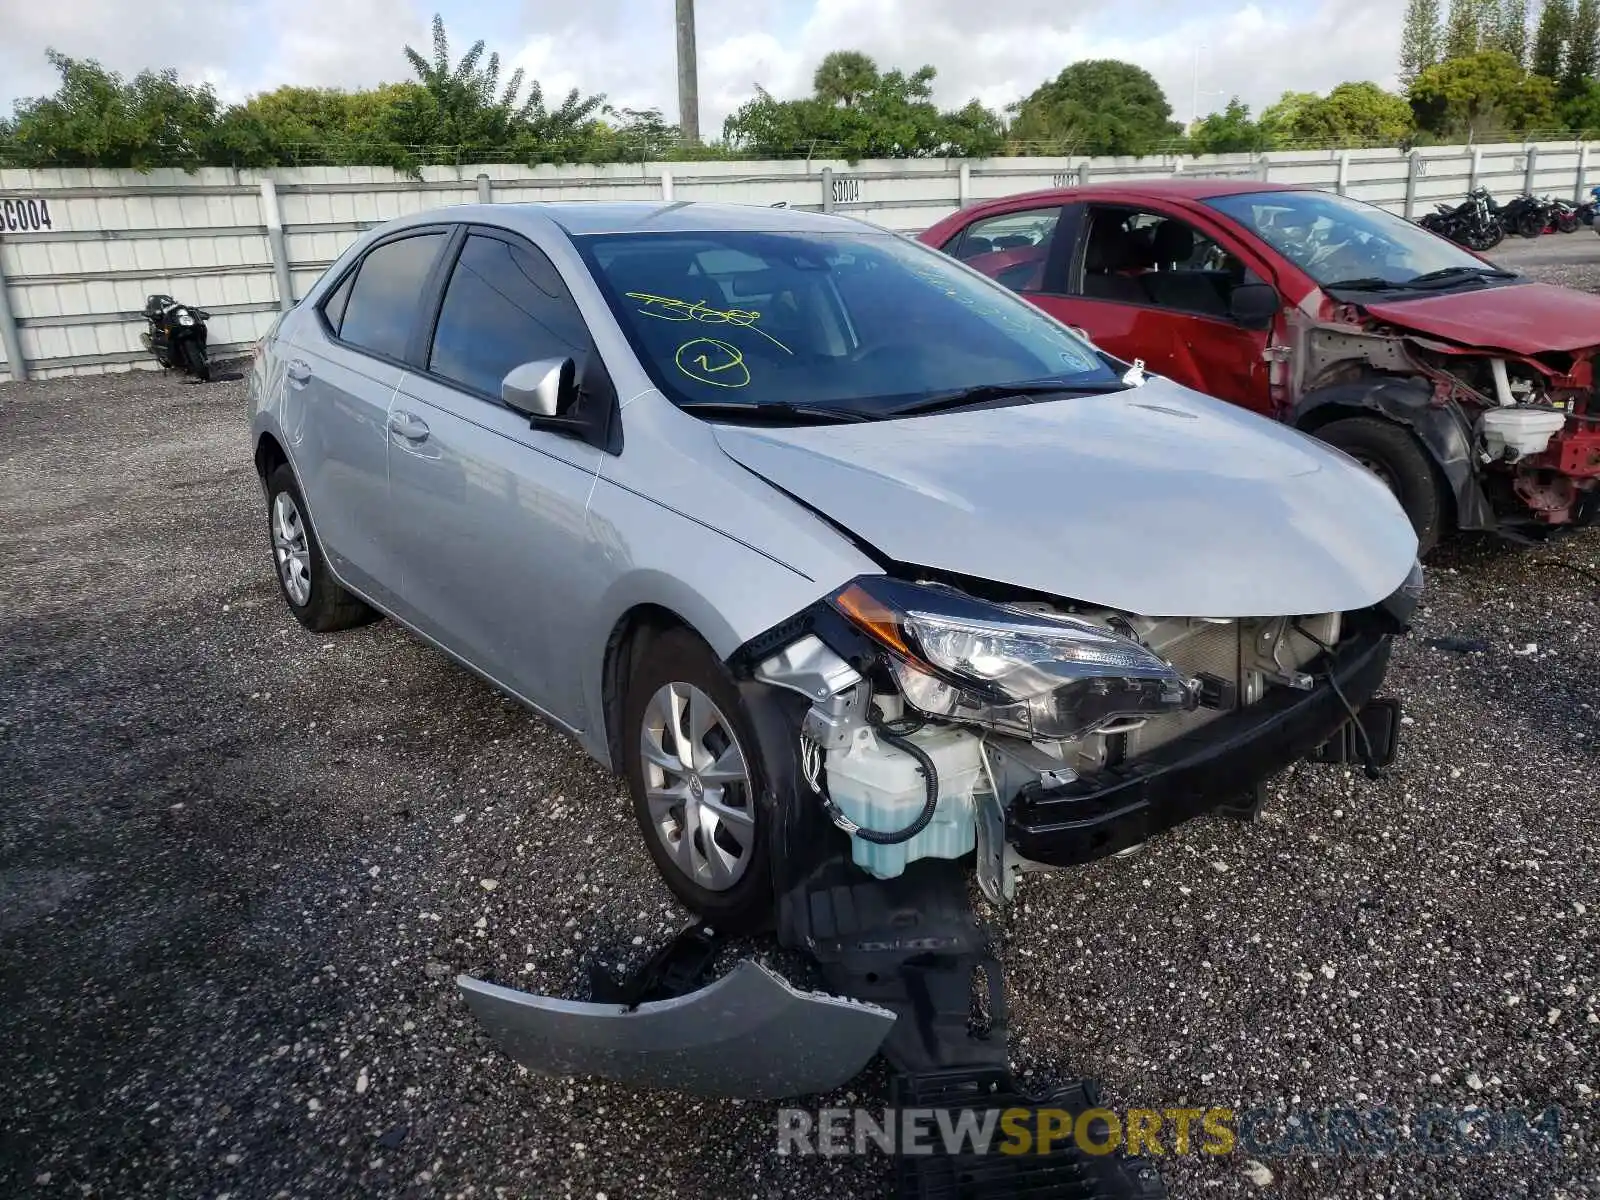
(996, 50)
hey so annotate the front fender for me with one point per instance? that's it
(1443, 430)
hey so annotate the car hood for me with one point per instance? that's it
(1156, 501)
(1524, 318)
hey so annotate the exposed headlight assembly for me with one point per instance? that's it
(1039, 676)
(185, 317)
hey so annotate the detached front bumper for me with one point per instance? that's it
(1117, 808)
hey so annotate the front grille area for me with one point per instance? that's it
(1200, 648)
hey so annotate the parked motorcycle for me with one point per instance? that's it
(1472, 223)
(1528, 216)
(1569, 216)
(177, 336)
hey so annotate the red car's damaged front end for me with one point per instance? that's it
(1509, 356)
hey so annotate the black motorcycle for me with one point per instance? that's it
(177, 336)
(1529, 216)
(1473, 223)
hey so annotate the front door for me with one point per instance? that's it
(1148, 285)
(492, 513)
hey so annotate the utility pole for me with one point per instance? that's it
(688, 76)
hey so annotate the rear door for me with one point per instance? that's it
(490, 513)
(343, 372)
(1145, 283)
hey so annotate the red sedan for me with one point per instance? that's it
(1468, 388)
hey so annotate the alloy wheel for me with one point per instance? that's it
(291, 549)
(697, 786)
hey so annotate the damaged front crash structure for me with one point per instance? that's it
(888, 761)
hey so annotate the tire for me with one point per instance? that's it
(1568, 222)
(688, 840)
(1530, 225)
(1396, 457)
(313, 595)
(1490, 237)
(195, 361)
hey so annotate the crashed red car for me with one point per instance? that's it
(1471, 390)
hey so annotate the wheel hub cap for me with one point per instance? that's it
(697, 786)
(291, 549)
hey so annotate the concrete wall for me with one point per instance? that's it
(76, 284)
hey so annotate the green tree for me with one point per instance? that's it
(1550, 39)
(1482, 95)
(1420, 41)
(894, 118)
(1231, 131)
(1581, 113)
(1278, 120)
(1509, 29)
(1583, 49)
(1353, 114)
(844, 77)
(1098, 106)
(473, 114)
(97, 119)
(1464, 31)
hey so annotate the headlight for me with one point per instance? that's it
(185, 317)
(1036, 675)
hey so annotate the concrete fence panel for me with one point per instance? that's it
(80, 249)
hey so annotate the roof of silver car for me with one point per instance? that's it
(657, 216)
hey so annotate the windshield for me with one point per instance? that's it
(860, 323)
(1334, 239)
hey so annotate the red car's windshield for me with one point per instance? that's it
(1338, 241)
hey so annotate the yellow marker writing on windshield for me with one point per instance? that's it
(665, 308)
(708, 360)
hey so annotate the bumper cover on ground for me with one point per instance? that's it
(1114, 809)
(748, 1034)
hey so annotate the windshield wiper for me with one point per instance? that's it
(779, 409)
(1423, 282)
(1005, 391)
(1446, 274)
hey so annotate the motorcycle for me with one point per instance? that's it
(1571, 217)
(177, 336)
(1528, 216)
(1472, 223)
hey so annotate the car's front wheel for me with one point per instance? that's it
(313, 595)
(1396, 457)
(692, 766)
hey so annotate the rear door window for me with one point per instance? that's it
(383, 304)
(1012, 248)
(505, 305)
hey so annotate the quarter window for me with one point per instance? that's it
(506, 305)
(382, 308)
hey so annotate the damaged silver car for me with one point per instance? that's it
(860, 568)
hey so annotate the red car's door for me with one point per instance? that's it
(1146, 284)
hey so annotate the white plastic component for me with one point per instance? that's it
(881, 787)
(1502, 381)
(1523, 431)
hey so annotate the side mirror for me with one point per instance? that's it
(1254, 305)
(546, 388)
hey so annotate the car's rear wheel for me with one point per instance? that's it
(313, 595)
(691, 762)
(1396, 457)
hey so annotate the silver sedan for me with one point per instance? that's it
(814, 533)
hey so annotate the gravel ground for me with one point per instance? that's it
(239, 865)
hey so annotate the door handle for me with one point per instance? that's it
(298, 372)
(409, 426)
